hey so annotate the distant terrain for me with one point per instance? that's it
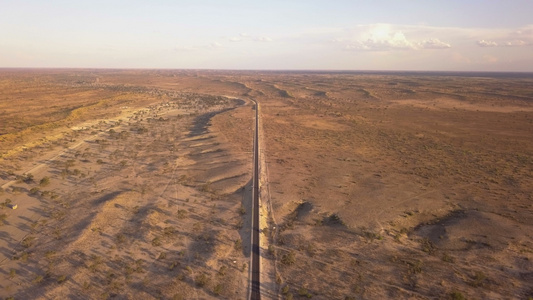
(136, 184)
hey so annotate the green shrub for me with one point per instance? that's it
(479, 279)
(61, 279)
(304, 292)
(121, 238)
(182, 213)
(218, 289)
(285, 289)
(27, 241)
(38, 279)
(222, 270)
(238, 245)
(27, 178)
(156, 242)
(201, 280)
(457, 296)
(288, 258)
(289, 296)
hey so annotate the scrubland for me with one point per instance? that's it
(136, 184)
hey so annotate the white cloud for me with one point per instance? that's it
(382, 46)
(184, 49)
(515, 43)
(525, 34)
(214, 45)
(504, 43)
(244, 37)
(507, 37)
(262, 39)
(386, 37)
(434, 43)
(484, 43)
(379, 37)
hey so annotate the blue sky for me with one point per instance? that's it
(468, 35)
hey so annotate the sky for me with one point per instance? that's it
(451, 35)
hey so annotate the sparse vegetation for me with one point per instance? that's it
(285, 289)
(206, 187)
(217, 290)
(182, 213)
(289, 296)
(222, 270)
(478, 279)
(304, 292)
(27, 241)
(201, 280)
(38, 279)
(45, 181)
(27, 178)
(242, 210)
(271, 250)
(121, 238)
(238, 245)
(457, 296)
(17, 189)
(34, 191)
(415, 267)
(173, 265)
(288, 258)
(61, 279)
(427, 246)
(387, 167)
(447, 258)
(156, 242)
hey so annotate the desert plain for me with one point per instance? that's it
(136, 184)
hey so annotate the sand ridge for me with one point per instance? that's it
(130, 209)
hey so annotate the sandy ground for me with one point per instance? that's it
(381, 193)
(373, 186)
(147, 206)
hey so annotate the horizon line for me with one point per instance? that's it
(265, 70)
